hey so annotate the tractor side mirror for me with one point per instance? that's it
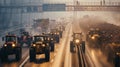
(3, 38)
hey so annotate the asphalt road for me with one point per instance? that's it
(58, 58)
(62, 57)
(93, 57)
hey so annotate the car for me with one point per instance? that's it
(25, 38)
(40, 45)
(77, 41)
(11, 46)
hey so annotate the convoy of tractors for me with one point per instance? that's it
(38, 44)
(105, 37)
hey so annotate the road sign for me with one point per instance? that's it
(53, 7)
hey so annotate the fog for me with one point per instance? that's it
(107, 16)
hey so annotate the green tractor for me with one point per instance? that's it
(40, 45)
(77, 41)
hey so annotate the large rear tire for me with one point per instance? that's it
(4, 55)
(52, 47)
(18, 54)
(117, 61)
(47, 55)
(57, 39)
(32, 54)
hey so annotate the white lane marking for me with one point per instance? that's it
(67, 55)
(58, 58)
(21, 65)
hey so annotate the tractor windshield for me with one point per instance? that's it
(10, 38)
(40, 38)
(77, 36)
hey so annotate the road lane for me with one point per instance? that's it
(67, 49)
(55, 57)
(41, 61)
(75, 59)
(94, 57)
(59, 59)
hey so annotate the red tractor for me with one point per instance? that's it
(25, 39)
(11, 46)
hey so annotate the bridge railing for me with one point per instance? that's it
(67, 3)
(95, 3)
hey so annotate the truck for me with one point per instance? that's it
(25, 38)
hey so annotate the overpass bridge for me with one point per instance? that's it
(38, 8)
(92, 6)
(15, 13)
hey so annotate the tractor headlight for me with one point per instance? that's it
(34, 45)
(48, 38)
(13, 45)
(5, 45)
(93, 37)
(77, 41)
(51, 38)
(57, 33)
(43, 45)
(118, 53)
